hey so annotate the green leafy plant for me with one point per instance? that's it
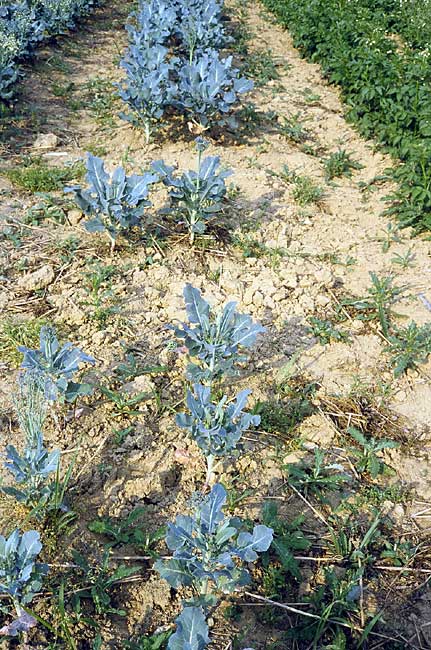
(340, 163)
(318, 478)
(35, 175)
(377, 304)
(325, 331)
(408, 347)
(128, 531)
(366, 458)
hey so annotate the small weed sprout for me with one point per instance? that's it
(196, 195)
(216, 428)
(217, 338)
(409, 346)
(340, 163)
(116, 203)
(367, 460)
(317, 478)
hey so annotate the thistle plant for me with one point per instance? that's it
(216, 427)
(20, 575)
(115, 202)
(216, 340)
(210, 550)
(56, 366)
(196, 195)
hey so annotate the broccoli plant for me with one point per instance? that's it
(217, 338)
(56, 366)
(147, 88)
(209, 550)
(153, 23)
(208, 87)
(196, 195)
(115, 202)
(31, 471)
(192, 630)
(199, 27)
(20, 575)
(216, 428)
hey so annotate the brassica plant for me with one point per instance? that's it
(217, 338)
(199, 27)
(147, 88)
(20, 575)
(115, 202)
(31, 471)
(56, 366)
(209, 550)
(195, 195)
(192, 630)
(216, 427)
(208, 87)
(153, 23)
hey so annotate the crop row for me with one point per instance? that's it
(173, 65)
(25, 24)
(210, 551)
(384, 77)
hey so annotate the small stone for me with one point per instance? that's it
(99, 337)
(258, 299)
(248, 297)
(322, 301)
(46, 141)
(4, 299)
(38, 279)
(74, 217)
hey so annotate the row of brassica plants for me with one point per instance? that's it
(115, 203)
(25, 24)
(173, 65)
(378, 53)
(210, 550)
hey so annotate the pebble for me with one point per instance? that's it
(37, 279)
(45, 141)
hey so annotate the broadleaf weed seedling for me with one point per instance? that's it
(217, 338)
(367, 461)
(318, 478)
(409, 346)
(325, 331)
(128, 531)
(340, 163)
(377, 304)
(196, 195)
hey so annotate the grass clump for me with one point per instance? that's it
(15, 333)
(35, 175)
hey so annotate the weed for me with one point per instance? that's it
(101, 100)
(128, 531)
(305, 191)
(99, 580)
(288, 539)
(35, 175)
(311, 98)
(318, 478)
(99, 291)
(156, 641)
(405, 260)
(18, 333)
(125, 405)
(377, 304)
(390, 236)
(340, 163)
(49, 208)
(325, 331)
(282, 417)
(292, 128)
(261, 66)
(366, 457)
(409, 346)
